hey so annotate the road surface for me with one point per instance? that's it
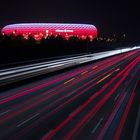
(95, 101)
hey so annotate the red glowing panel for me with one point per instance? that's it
(39, 30)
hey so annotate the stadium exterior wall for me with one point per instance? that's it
(39, 30)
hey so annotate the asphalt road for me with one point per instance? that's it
(94, 101)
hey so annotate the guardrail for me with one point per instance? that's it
(15, 74)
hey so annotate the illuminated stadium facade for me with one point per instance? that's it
(39, 30)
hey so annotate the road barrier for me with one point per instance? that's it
(19, 73)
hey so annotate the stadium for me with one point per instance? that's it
(39, 30)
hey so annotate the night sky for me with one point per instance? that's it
(109, 16)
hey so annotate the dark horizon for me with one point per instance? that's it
(110, 17)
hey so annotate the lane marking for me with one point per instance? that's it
(72, 93)
(128, 69)
(98, 106)
(117, 69)
(98, 124)
(3, 113)
(94, 67)
(69, 81)
(111, 117)
(49, 91)
(27, 120)
(84, 72)
(124, 117)
(117, 97)
(103, 78)
(136, 125)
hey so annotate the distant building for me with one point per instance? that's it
(39, 30)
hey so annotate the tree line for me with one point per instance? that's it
(15, 48)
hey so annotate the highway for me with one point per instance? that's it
(98, 100)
